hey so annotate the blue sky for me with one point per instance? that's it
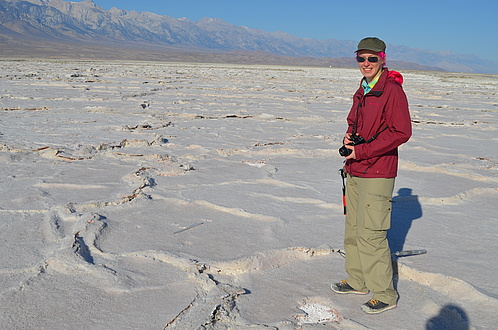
(463, 27)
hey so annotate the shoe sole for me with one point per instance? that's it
(369, 310)
(347, 292)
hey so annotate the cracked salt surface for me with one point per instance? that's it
(174, 195)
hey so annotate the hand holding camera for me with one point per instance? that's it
(355, 140)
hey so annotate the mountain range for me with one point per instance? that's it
(83, 30)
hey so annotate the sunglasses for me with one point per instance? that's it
(371, 59)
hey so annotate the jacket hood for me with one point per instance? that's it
(396, 76)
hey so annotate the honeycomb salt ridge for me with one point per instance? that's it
(180, 195)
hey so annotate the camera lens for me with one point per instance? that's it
(344, 152)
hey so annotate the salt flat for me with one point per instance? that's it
(183, 196)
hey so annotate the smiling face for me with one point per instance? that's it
(368, 69)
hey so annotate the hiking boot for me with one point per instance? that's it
(344, 287)
(374, 306)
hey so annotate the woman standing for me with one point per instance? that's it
(378, 122)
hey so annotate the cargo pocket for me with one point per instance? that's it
(378, 213)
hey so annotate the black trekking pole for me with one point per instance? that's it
(343, 176)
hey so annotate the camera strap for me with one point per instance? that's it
(375, 136)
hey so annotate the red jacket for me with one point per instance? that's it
(384, 106)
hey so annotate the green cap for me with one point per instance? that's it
(373, 44)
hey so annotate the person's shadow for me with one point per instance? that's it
(451, 317)
(406, 208)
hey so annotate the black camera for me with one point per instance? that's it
(355, 140)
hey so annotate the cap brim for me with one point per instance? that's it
(373, 50)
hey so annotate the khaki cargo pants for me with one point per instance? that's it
(368, 257)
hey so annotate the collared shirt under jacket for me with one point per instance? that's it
(384, 106)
